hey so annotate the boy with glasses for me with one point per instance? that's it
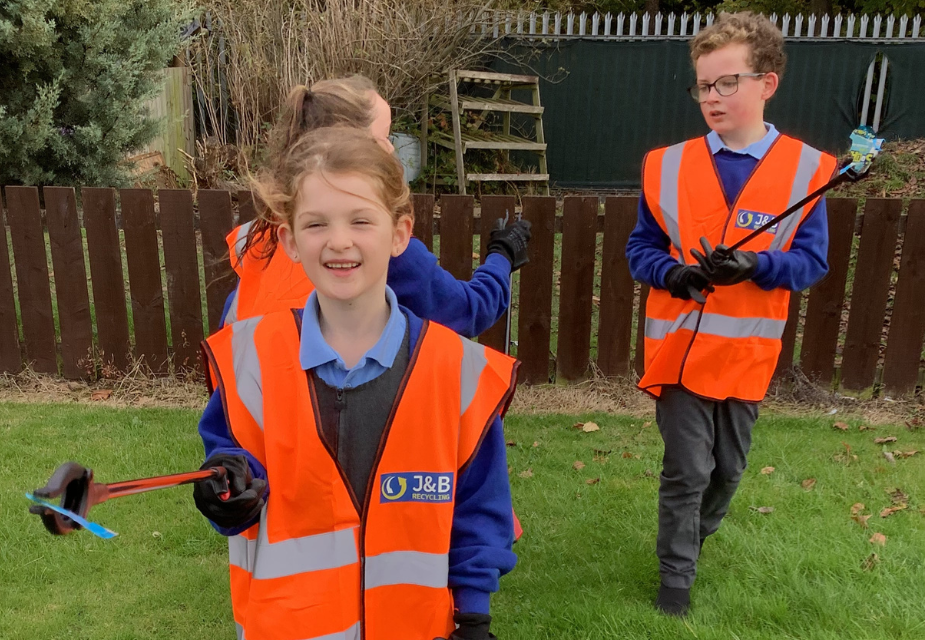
(714, 318)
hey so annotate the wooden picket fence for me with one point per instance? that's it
(883, 247)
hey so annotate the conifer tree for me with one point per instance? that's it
(74, 78)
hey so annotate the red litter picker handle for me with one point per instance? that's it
(79, 493)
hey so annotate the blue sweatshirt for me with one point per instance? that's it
(803, 265)
(431, 292)
(483, 526)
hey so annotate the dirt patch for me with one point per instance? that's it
(596, 395)
(137, 389)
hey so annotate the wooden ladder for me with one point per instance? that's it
(500, 102)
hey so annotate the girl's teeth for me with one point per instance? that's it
(343, 265)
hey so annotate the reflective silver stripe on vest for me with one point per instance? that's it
(807, 167)
(732, 327)
(241, 552)
(407, 567)
(246, 366)
(659, 329)
(717, 325)
(232, 316)
(241, 238)
(353, 633)
(302, 555)
(668, 194)
(473, 363)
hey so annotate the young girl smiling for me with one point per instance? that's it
(370, 497)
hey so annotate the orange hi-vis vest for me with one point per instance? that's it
(319, 565)
(266, 285)
(728, 347)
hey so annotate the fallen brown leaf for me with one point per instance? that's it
(861, 520)
(578, 425)
(897, 496)
(889, 457)
(602, 452)
(864, 427)
(646, 424)
(536, 444)
(592, 480)
(627, 455)
(526, 474)
(511, 443)
(808, 484)
(767, 471)
(878, 538)
(588, 427)
(904, 454)
(885, 440)
(764, 510)
(870, 562)
(101, 394)
(649, 473)
(595, 300)
(578, 466)
(891, 510)
(857, 508)
(841, 426)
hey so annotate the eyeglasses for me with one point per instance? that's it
(724, 85)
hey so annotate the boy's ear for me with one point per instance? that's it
(287, 242)
(401, 235)
(771, 81)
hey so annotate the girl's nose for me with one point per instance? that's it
(340, 237)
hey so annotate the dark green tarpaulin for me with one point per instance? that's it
(608, 102)
(905, 103)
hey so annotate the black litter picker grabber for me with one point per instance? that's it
(865, 146)
(79, 493)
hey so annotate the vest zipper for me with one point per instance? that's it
(732, 209)
(412, 360)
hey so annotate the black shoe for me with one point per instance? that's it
(673, 602)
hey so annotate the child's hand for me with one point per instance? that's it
(686, 282)
(725, 267)
(472, 626)
(511, 242)
(246, 494)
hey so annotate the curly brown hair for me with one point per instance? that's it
(765, 41)
(331, 150)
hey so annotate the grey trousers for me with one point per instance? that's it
(706, 443)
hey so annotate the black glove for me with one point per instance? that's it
(246, 499)
(686, 282)
(472, 626)
(511, 242)
(725, 267)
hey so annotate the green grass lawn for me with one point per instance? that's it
(587, 568)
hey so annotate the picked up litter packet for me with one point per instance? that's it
(865, 146)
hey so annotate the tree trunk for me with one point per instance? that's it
(821, 8)
(651, 7)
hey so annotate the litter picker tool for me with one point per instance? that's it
(79, 493)
(865, 147)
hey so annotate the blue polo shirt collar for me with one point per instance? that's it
(757, 150)
(314, 351)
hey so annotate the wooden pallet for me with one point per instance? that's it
(501, 102)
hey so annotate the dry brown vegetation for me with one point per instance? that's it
(257, 50)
